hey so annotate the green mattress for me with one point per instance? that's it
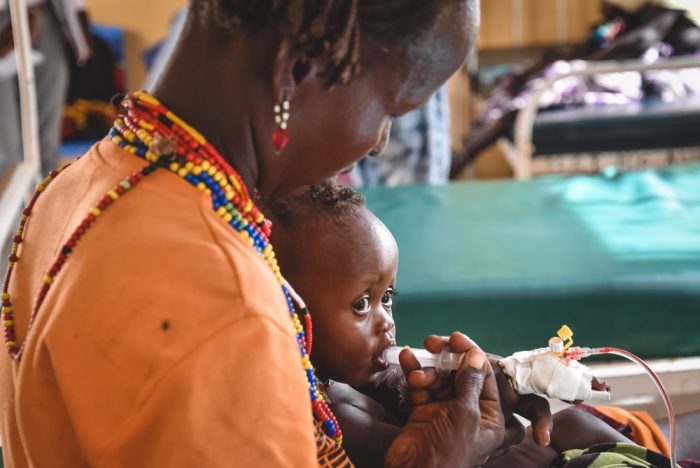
(615, 258)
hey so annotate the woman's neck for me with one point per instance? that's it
(196, 86)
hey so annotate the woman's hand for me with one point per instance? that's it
(532, 407)
(454, 422)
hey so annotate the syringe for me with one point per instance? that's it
(445, 361)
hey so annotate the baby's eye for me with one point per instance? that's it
(388, 297)
(361, 307)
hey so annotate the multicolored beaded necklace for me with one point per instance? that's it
(150, 131)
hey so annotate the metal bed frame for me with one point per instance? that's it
(28, 172)
(520, 154)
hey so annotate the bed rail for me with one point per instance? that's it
(521, 157)
(27, 173)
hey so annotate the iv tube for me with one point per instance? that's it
(657, 382)
(446, 361)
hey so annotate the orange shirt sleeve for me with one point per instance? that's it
(205, 412)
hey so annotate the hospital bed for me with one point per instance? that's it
(508, 262)
(618, 259)
(588, 139)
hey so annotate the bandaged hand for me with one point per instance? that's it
(545, 373)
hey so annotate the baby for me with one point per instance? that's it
(343, 261)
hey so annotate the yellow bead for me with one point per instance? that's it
(113, 195)
(217, 177)
(146, 125)
(95, 211)
(196, 170)
(244, 234)
(201, 186)
(182, 172)
(221, 211)
(211, 171)
(189, 165)
(260, 218)
(207, 191)
(235, 184)
(248, 206)
(10, 344)
(227, 217)
(229, 195)
(205, 165)
(48, 280)
(174, 167)
(8, 323)
(5, 297)
(6, 310)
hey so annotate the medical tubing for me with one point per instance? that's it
(659, 386)
(450, 361)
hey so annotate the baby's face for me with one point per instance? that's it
(348, 285)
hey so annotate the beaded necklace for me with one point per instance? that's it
(152, 132)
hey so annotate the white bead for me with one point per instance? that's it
(285, 104)
(283, 125)
(285, 116)
(278, 119)
(277, 109)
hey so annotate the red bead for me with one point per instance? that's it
(280, 138)
(17, 239)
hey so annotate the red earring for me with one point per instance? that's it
(280, 137)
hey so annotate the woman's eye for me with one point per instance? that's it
(361, 306)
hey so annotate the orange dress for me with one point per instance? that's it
(164, 341)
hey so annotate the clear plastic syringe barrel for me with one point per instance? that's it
(445, 361)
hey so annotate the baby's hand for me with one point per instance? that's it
(544, 372)
(532, 407)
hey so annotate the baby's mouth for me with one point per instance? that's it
(379, 360)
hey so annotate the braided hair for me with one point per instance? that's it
(327, 31)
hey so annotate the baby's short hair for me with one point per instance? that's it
(331, 200)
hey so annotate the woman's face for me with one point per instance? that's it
(329, 130)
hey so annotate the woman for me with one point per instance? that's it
(145, 315)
